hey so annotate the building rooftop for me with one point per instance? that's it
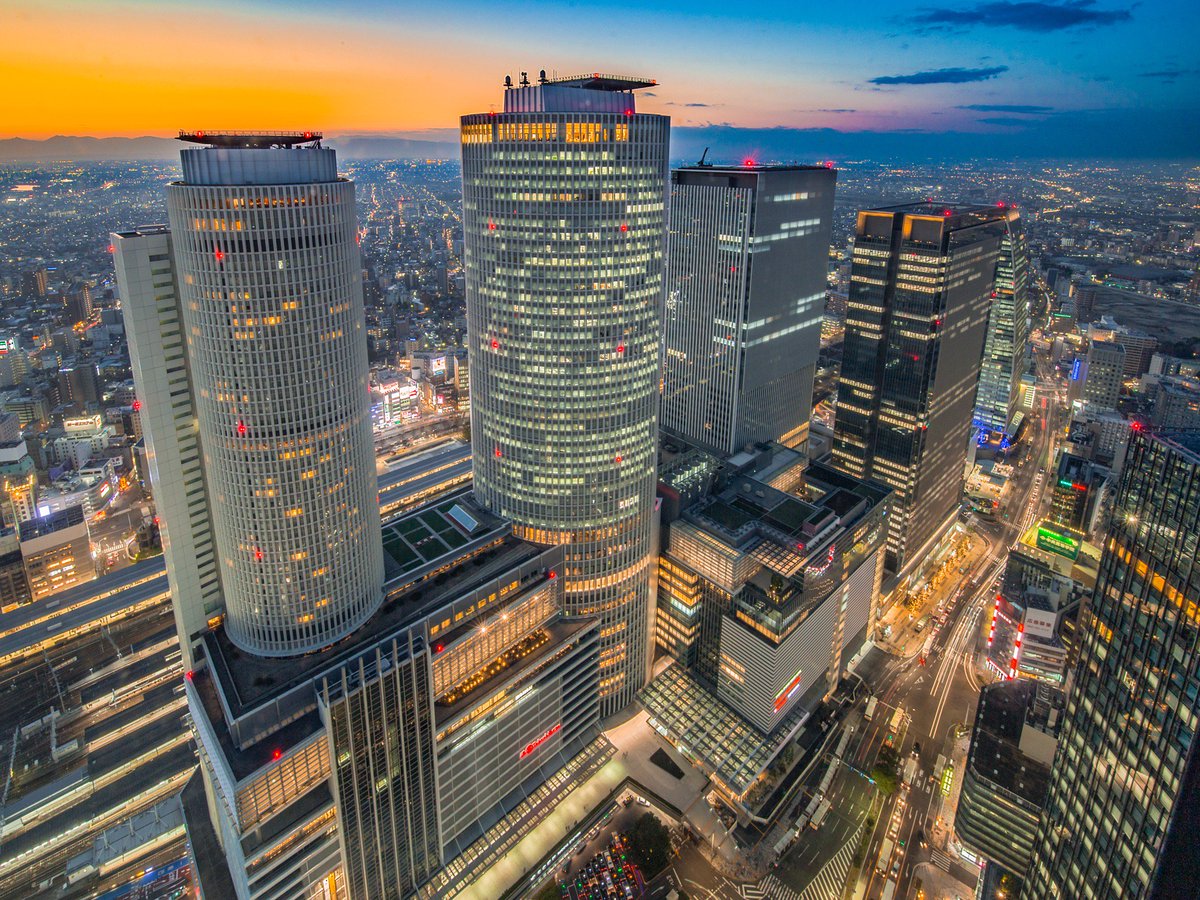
(1182, 439)
(433, 568)
(251, 140)
(597, 81)
(995, 753)
(943, 209)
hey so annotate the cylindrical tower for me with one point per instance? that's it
(564, 203)
(271, 294)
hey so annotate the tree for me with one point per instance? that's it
(550, 891)
(650, 844)
(887, 769)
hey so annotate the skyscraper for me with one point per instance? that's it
(564, 217)
(1124, 804)
(414, 723)
(920, 286)
(154, 325)
(1006, 343)
(745, 294)
(270, 298)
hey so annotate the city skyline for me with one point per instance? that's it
(1047, 74)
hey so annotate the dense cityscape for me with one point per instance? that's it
(804, 529)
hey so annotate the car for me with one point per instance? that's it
(642, 801)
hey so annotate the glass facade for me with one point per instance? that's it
(1124, 800)
(745, 295)
(1005, 347)
(920, 287)
(381, 741)
(564, 222)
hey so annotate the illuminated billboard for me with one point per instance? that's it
(437, 365)
(1063, 543)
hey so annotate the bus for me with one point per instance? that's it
(819, 815)
(889, 890)
(872, 702)
(885, 855)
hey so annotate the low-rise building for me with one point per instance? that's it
(57, 552)
(1007, 775)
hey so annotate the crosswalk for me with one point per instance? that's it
(829, 883)
(940, 859)
(770, 888)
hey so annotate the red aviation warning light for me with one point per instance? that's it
(495, 344)
(620, 459)
(624, 226)
(620, 348)
(498, 453)
(241, 428)
(491, 226)
(219, 254)
(137, 405)
(276, 753)
(258, 554)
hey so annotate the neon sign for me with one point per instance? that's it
(537, 742)
(785, 695)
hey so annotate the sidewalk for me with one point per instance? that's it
(636, 742)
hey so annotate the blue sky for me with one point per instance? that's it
(1053, 70)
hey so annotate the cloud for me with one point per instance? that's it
(1168, 74)
(1003, 120)
(1024, 15)
(835, 110)
(1019, 108)
(649, 94)
(692, 105)
(942, 76)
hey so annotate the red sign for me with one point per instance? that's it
(534, 744)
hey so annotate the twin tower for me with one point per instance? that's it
(246, 330)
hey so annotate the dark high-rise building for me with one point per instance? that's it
(1124, 804)
(920, 289)
(745, 294)
(1076, 494)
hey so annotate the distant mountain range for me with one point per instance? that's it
(1068, 136)
(167, 149)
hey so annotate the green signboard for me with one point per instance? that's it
(1056, 542)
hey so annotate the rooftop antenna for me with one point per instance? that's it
(507, 82)
(542, 77)
(524, 79)
(702, 158)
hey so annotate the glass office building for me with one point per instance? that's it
(564, 209)
(1006, 344)
(920, 288)
(1124, 803)
(745, 297)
